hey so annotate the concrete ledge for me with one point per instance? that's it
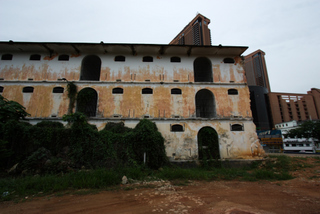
(229, 163)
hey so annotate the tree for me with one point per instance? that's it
(308, 129)
(11, 110)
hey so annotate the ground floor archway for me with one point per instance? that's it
(208, 144)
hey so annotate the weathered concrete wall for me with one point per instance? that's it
(132, 76)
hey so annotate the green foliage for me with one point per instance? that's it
(77, 119)
(11, 110)
(72, 95)
(146, 139)
(308, 129)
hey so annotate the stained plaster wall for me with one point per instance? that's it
(161, 75)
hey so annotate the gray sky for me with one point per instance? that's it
(288, 31)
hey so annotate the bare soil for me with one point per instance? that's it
(299, 195)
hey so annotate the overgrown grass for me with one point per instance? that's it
(90, 181)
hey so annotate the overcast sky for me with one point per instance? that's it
(288, 31)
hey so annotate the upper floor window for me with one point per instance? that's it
(236, 127)
(27, 89)
(232, 92)
(35, 57)
(117, 91)
(6, 57)
(1, 89)
(58, 90)
(228, 60)
(147, 91)
(177, 128)
(120, 58)
(175, 59)
(176, 91)
(202, 68)
(90, 68)
(147, 59)
(63, 57)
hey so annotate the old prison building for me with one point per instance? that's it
(183, 89)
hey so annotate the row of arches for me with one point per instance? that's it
(202, 66)
(204, 99)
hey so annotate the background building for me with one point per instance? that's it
(195, 33)
(256, 70)
(258, 82)
(286, 107)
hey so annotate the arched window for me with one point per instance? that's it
(87, 102)
(147, 59)
(90, 68)
(120, 59)
(202, 70)
(236, 127)
(176, 91)
(147, 91)
(6, 57)
(228, 60)
(175, 59)
(205, 104)
(58, 90)
(232, 92)
(177, 128)
(63, 57)
(1, 89)
(27, 89)
(35, 57)
(117, 91)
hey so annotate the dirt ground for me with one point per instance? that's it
(299, 195)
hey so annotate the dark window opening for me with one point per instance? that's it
(117, 91)
(177, 128)
(236, 127)
(90, 68)
(1, 89)
(35, 57)
(147, 91)
(147, 59)
(120, 59)
(176, 91)
(27, 90)
(58, 90)
(63, 57)
(205, 104)
(175, 59)
(208, 144)
(228, 60)
(6, 57)
(202, 70)
(87, 102)
(232, 92)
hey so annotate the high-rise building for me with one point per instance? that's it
(258, 82)
(195, 33)
(256, 70)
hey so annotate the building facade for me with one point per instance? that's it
(183, 89)
(195, 33)
(286, 107)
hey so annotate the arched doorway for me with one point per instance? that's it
(87, 102)
(202, 69)
(205, 104)
(90, 68)
(208, 144)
